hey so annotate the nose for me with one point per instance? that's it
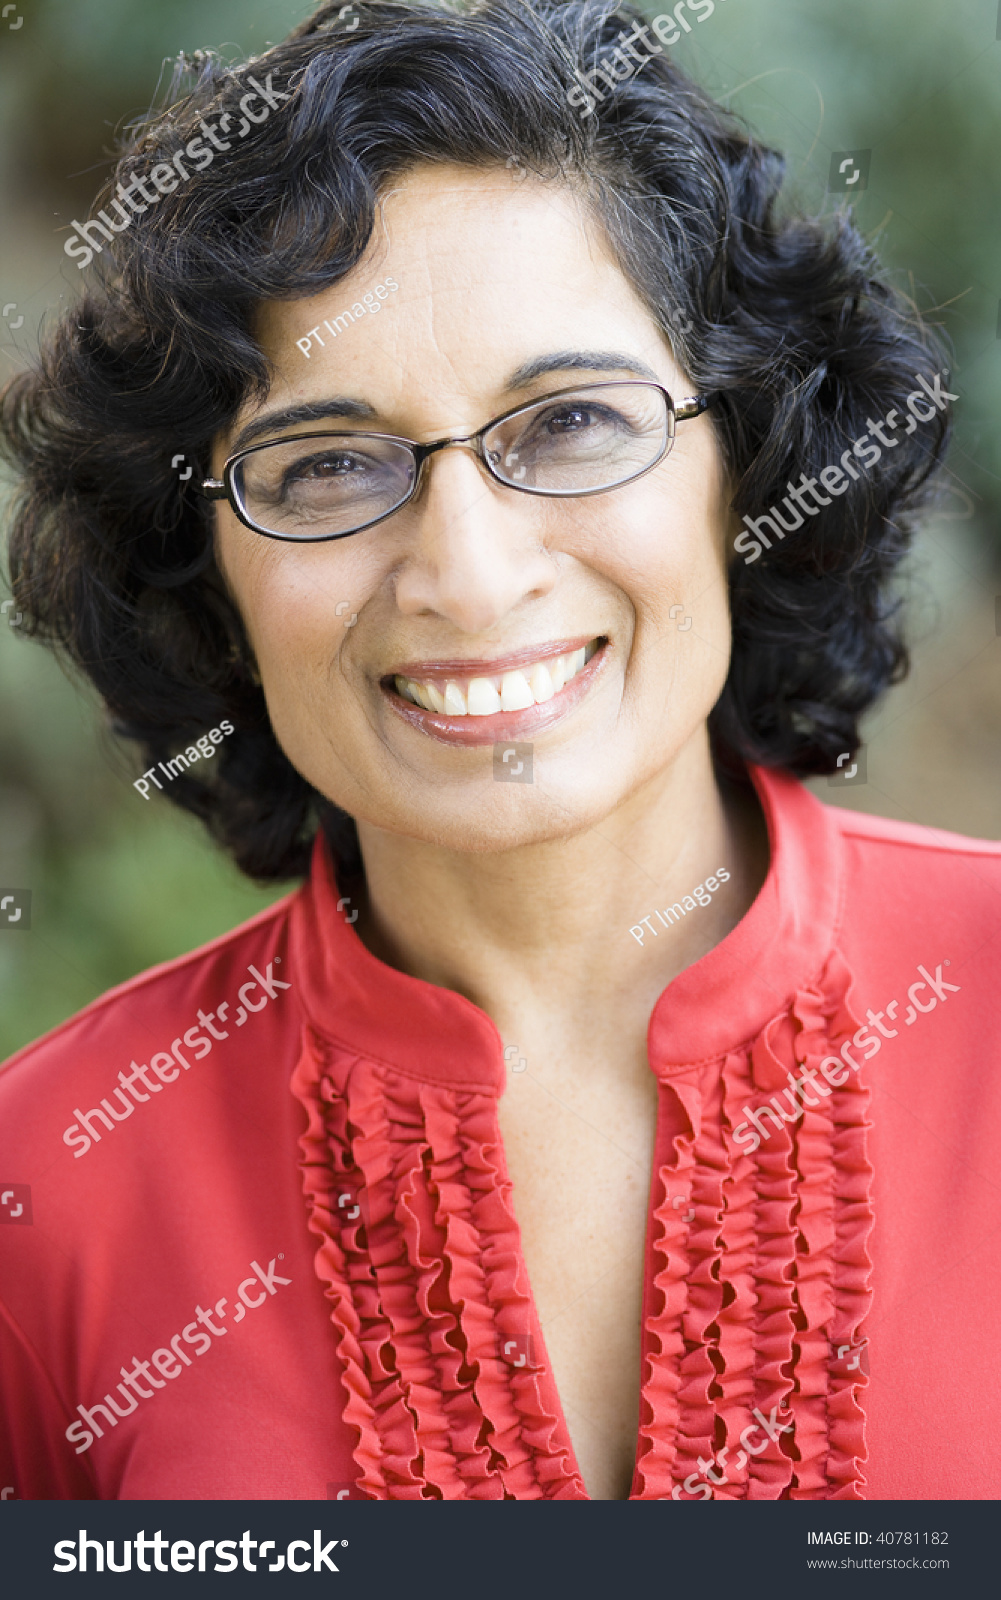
(477, 550)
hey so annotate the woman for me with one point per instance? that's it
(565, 1134)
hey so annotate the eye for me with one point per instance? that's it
(332, 464)
(571, 419)
(567, 429)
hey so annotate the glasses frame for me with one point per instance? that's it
(223, 488)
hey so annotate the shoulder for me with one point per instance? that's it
(878, 872)
(896, 841)
(901, 871)
(905, 853)
(236, 975)
(809, 826)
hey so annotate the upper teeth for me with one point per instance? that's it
(504, 691)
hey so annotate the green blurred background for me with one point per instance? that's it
(119, 883)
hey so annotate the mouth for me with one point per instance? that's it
(482, 702)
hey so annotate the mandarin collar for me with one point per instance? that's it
(352, 999)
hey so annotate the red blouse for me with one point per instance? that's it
(257, 1239)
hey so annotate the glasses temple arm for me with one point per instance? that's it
(693, 406)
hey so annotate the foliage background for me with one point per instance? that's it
(119, 884)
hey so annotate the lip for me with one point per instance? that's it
(468, 668)
(503, 725)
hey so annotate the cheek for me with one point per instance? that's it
(668, 553)
(295, 601)
(672, 564)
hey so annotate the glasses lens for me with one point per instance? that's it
(323, 485)
(592, 439)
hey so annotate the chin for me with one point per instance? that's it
(474, 824)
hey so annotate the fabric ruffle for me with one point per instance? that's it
(756, 1318)
(755, 1315)
(419, 1254)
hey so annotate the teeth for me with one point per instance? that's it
(508, 691)
(515, 694)
(541, 683)
(482, 698)
(455, 701)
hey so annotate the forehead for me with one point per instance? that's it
(493, 271)
(478, 256)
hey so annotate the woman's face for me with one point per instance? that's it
(506, 293)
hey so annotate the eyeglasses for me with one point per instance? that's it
(313, 486)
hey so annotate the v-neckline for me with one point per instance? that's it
(400, 1081)
(567, 1446)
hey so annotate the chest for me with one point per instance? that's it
(579, 1151)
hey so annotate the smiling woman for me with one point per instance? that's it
(606, 347)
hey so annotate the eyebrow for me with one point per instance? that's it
(308, 411)
(580, 361)
(359, 411)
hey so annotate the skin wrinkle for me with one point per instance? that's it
(675, 460)
(513, 895)
(510, 895)
(337, 664)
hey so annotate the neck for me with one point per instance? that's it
(543, 931)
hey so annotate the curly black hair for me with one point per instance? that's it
(787, 320)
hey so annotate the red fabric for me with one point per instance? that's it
(310, 1223)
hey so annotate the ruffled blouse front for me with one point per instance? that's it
(757, 1270)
